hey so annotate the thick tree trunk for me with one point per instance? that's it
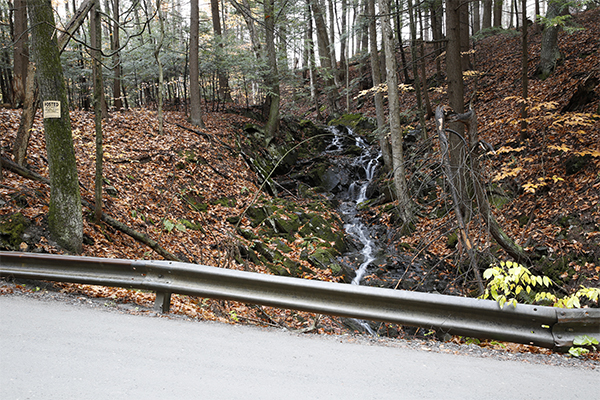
(31, 91)
(405, 204)
(498, 13)
(550, 54)
(195, 109)
(486, 21)
(64, 214)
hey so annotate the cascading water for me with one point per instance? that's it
(365, 167)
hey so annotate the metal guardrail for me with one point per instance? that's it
(541, 326)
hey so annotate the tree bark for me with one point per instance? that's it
(117, 100)
(96, 42)
(386, 150)
(498, 13)
(31, 91)
(157, 50)
(486, 21)
(323, 45)
(524, 70)
(476, 17)
(195, 109)
(64, 214)
(550, 54)
(405, 206)
(224, 90)
(272, 78)
(456, 99)
(21, 53)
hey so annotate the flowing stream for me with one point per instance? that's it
(363, 168)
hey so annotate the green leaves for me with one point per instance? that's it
(583, 340)
(169, 225)
(510, 281)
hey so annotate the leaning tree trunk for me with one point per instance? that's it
(64, 214)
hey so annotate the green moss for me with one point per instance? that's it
(12, 228)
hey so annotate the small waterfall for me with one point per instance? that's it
(365, 166)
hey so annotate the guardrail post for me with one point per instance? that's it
(163, 302)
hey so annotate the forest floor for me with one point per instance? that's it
(171, 187)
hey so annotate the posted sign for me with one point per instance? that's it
(52, 109)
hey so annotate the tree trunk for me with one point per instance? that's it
(31, 91)
(476, 17)
(415, 66)
(325, 57)
(456, 99)
(314, 93)
(64, 214)
(386, 150)
(27, 117)
(487, 14)
(435, 13)
(21, 53)
(405, 206)
(96, 52)
(117, 100)
(498, 13)
(463, 232)
(550, 54)
(224, 90)
(524, 69)
(464, 36)
(195, 109)
(157, 50)
(272, 78)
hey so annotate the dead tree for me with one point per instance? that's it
(472, 143)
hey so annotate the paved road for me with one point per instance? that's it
(53, 350)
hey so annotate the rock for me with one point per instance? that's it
(12, 228)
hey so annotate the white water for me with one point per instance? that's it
(357, 193)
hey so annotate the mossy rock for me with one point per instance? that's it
(225, 202)
(357, 122)
(12, 228)
(192, 225)
(319, 227)
(323, 259)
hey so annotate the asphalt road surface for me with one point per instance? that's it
(54, 350)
